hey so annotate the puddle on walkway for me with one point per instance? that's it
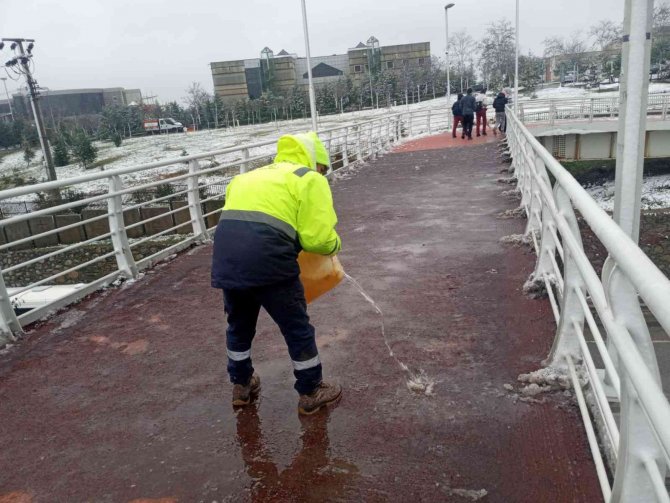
(417, 382)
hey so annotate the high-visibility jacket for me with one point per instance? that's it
(272, 213)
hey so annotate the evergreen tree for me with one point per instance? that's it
(60, 152)
(83, 150)
(28, 152)
(116, 139)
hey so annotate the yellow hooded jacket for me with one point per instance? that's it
(273, 212)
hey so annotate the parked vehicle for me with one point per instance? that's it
(167, 125)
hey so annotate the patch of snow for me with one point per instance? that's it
(655, 193)
(545, 379)
(517, 239)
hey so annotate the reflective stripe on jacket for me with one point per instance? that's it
(273, 212)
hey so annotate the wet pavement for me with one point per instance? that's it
(124, 397)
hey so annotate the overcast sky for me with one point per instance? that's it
(161, 46)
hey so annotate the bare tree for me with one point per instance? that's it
(196, 97)
(605, 33)
(661, 15)
(497, 53)
(462, 46)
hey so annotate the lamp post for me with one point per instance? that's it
(446, 25)
(9, 100)
(312, 100)
(516, 63)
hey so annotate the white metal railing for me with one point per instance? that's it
(587, 109)
(638, 447)
(191, 213)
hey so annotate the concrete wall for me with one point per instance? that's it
(602, 145)
(37, 225)
(54, 265)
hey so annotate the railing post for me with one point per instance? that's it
(125, 261)
(9, 323)
(371, 149)
(638, 443)
(194, 204)
(387, 140)
(380, 137)
(345, 148)
(409, 127)
(566, 342)
(591, 111)
(359, 146)
(664, 107)
(329, 140)
(428, 120)
(534, 171)
(552, 113)
(244, 167)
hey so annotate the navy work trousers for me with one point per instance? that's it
(468, 121)
(286, 305)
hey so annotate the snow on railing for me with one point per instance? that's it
(638, 448)
(587, 109)
(117, 232)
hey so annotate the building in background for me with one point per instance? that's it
(75, 102)
(280, 73)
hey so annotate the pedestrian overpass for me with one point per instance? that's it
(121, 394)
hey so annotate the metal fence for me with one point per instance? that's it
(587, 109)
(188, 216)
(638, 445)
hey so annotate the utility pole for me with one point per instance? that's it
(9, 100)
(23, 61)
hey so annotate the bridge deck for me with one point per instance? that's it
(124, 396)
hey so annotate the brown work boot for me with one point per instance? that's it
(242, 394)
(323, 395)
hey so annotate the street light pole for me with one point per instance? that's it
(516, 63)
(446, 25)
(9, 100)
(312, 99)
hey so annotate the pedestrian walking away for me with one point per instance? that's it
(481, 106)
(499, 106)
(468, 106)
(270, 215)
(457, 110)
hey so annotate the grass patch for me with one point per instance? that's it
(5, 153)
(104, 162)
(599, 171)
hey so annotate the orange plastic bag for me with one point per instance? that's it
(319, 274)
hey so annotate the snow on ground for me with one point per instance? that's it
(150, 149)
(655, 193)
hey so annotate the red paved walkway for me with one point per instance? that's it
(124, 396)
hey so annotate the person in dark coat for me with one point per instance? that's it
(458, 114)
(499, 106)
(468, 106)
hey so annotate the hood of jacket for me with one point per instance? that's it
(305, 149)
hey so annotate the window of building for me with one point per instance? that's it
(358, 68)
(422, 61)
(389, 65)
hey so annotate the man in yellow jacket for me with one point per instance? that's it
(270, 215)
